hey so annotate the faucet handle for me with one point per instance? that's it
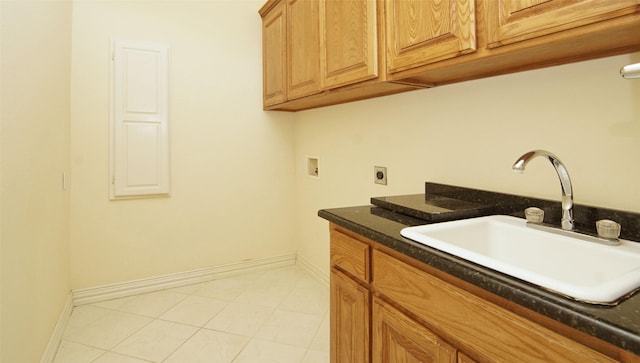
(608, 229)
(534, 215)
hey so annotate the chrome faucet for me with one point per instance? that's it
(565, 183)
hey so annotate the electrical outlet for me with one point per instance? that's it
(380, 175)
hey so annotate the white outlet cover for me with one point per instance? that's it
(380, 175)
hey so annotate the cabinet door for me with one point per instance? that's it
(349, 320)
(303, 54)
(348, 38)
(420, 32)
(463, 358)
(510, 21)
(398, 339)
(274, 38)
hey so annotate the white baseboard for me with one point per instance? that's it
(50, 351)
(129, 288)
(314, 271)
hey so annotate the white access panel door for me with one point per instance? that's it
(139, 120)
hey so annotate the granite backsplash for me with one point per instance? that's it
(443, 202)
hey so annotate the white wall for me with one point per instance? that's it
(469, 134)
(34, 149)
(238, 185)
(232, 163)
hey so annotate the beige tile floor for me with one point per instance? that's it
(278, 315)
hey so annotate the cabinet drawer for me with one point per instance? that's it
(350, 255)
(489, 330)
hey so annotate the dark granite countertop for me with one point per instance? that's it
(618, 325)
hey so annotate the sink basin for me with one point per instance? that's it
(582, 270)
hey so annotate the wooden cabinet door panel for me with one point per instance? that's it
(510, 21)
(303, 53)
(424, 31)
(463, 358)
(348, 38)
(398, 339)
(274, 39)
(350, 319)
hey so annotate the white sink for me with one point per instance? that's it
(583, 270)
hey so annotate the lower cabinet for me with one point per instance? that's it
(387, 308)
(350, 317)
(398, 339)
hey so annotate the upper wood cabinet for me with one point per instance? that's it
(290, 55)
(324, 52)
(348, 41)
(510, 21)
(425, 31)
(274, 44)
(303, 60)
